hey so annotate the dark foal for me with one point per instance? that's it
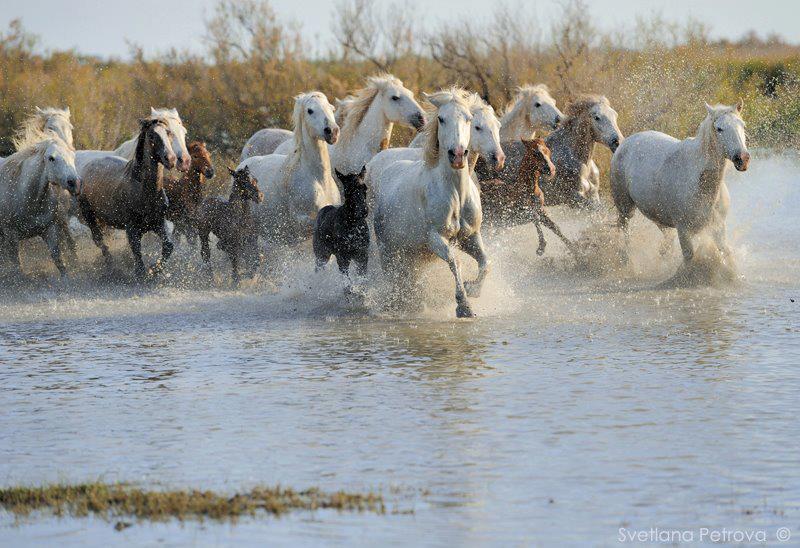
(186, 192)
(515, 198)
(232, 221)
(342, 230)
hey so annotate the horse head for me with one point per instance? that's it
(201, 159)
(313, 111)
(59, 165)
(729, 133)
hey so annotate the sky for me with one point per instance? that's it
(104, 27)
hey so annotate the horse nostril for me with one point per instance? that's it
(327, 131)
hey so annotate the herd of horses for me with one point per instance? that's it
(325, 179)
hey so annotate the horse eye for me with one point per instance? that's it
(597, 118)
(478, 128)
(719, 130)
(395, 97)
(537, 105)
(52, 158)
(311, 111)
(441, 120)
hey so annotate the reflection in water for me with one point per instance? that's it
(582, 399)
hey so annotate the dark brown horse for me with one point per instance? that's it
(130, 195)
(232, 221)
(185, 193)
(513, 197)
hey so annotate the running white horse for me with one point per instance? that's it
(484, 141)
(680, 184)
(29, 204)
(297, 186)
(532, 109)
(56, 120)
(126, 150)
(425, 206)
(367, 127)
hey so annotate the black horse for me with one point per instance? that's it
(342, 230)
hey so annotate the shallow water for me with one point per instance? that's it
(582, 400)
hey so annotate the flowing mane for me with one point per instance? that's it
(458, 95)
(134, 165)
(343, 109)
(357, 107)
(33, 130)
(515, 117)
(299, 122)
(12, 167)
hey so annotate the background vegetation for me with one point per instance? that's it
(657, 74)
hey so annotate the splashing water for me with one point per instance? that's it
(586, 397)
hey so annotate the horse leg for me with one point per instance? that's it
(444, 251)
(473, 246)
(549, 223)
(362, 259)
(135, 243)
(343, 261)
(666, 242)
(234, 256)
(536, 218)
(12, 249)
(167, 247)
(65, 236)
(687, 246)
(94, 227)
(51, 238)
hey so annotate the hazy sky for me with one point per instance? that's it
(102, 26)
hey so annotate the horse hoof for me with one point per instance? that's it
(473, 289)
(463, 310)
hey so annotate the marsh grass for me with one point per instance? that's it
(120, 500)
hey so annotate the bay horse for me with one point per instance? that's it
(129, 195)
(681, 184)
(232, 221)
(186, 192)
(514, 196)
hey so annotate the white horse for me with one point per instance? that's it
(484, 140)
(532, 109)
(680, 184)
(126, 150)
(266, 141)
(296, 187)
(29, 204)
(369, 121)
(424, 206)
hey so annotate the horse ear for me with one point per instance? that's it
(231, 171)
(709, 109)
(152, 111)
(362, 172)
(338, 175)
(38, 110)
(740, 105)
(66, 110)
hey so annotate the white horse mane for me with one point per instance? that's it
(515, 115)
(165, 113)
(32, 129)
(14, 163)
(357, 107)
(299, 121)
(431, 130)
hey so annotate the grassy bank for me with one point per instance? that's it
(120, 501)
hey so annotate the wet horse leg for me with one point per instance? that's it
(167, 247)
(135, 242)
(548, 222)
(51, 238)
(537, 222)
(97, 233)
(473, 246)
(442, 248)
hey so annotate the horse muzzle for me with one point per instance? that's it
(209, 173)
(499, 159)
(417, 121)
(331, 135)
(614, 144)
(557, 121)
(457, 157)
(75, 186)
(741, 161)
